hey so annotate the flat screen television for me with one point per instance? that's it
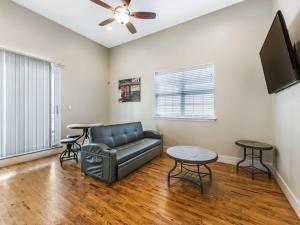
(278, 57)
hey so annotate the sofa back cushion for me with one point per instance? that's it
(117, 135)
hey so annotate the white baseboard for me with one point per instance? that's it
(228, 159)
(295, 203)
(29, 157)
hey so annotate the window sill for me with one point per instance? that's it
(199, 119)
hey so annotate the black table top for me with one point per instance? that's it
(191, 154)
(254, 145)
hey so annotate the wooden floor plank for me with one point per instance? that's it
(41, 192)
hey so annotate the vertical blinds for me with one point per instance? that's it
(2, 128)
(25, 105)
(55, 104)
(185, 93)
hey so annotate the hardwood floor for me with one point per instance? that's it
(41, 192)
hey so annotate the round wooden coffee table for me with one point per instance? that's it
(253, 146)
(191, 156)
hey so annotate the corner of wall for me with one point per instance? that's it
(295, 203)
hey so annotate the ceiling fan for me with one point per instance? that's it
(123, 16)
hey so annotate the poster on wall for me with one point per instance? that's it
(130, 90)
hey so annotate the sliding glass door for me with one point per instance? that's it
(29, 104)
(55, 104)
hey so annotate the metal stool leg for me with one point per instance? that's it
(86, 135)
(68, 154)
(78, 146)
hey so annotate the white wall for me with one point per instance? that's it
(85, 75)
(286, 108)
(231, 39)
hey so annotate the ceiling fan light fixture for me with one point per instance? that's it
(122, 15)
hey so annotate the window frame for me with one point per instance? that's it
(185, 118)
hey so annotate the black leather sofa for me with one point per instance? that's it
(115, 151)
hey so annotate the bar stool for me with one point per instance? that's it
(76, 146)
(68, 153)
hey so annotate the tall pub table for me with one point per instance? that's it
(85, 128)
(71, 153)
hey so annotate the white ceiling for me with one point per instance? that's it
(83, 16)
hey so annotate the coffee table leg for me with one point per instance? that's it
(200, 178)
(243, 160)
(267, 168)
(169, 174)
(209, 170)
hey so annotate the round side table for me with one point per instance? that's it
(254, 146)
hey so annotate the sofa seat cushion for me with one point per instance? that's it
(133, 149)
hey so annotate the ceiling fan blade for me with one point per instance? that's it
(131, 28)
(103, 4)
(144, 15)
(105, 22)
(126, 2)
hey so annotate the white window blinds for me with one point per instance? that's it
(185, 93)
(26, 104)
(2, 128)
(55, 104)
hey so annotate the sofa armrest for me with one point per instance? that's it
(100, 161)
(153, 134)
(100, 149)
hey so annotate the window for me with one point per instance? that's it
(29, 104)
(185, 93)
